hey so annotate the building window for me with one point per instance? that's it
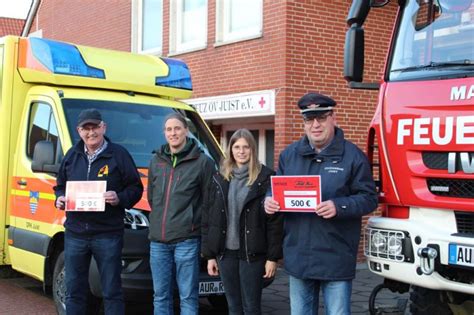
(238, 20)
(188, 25)
(147, 26)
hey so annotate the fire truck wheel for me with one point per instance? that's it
(428, 302)
(59, 285)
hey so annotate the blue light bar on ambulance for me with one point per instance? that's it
(62, 58)
(178, 77)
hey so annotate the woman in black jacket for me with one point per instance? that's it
(240, 241)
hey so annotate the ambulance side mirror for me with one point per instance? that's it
(43, 158)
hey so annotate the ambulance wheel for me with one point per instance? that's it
(94, 304)
(428, 302)
(59, 285)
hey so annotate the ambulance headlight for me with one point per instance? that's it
(136, 219)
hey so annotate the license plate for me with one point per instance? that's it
(211, 287)
(461, 255)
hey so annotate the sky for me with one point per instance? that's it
(14, 8)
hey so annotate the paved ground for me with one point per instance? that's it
(22, 295)
(276, 300)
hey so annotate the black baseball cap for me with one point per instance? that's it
(89, 116)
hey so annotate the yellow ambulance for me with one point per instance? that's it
(44, 84)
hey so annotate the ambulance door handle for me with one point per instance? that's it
(21, 182)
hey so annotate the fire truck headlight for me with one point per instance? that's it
(379, 242)
(387, 244)
(394, 245)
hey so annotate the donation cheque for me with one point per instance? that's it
(85, 195)
(297, 193)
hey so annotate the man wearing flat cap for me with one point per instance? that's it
(96, 234)
(320, 247)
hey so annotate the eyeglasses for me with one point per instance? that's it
(319, 118)
(90, 128)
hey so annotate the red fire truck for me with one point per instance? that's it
(421, 146)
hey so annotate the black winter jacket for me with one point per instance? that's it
(261, 235)
(122, 177)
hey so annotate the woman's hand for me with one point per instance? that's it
(212, 268)
(271, 205)
(270, 269)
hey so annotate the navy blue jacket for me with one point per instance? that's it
(122, 177)
(326, 249)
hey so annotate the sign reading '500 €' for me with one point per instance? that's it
(297, 193)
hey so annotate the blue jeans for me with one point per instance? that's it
(182, 260)
(243, 283)
(304, 296)
(107, 252)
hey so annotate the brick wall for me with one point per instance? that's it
(104, 23)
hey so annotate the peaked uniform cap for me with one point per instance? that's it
(315, 103)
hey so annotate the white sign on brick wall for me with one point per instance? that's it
(249, 104)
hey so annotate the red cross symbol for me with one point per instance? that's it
(261, 102)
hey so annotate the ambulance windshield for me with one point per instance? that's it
(138, 127)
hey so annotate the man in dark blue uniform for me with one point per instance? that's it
(320, 249)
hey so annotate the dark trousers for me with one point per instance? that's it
(107, 252)
(243, 283)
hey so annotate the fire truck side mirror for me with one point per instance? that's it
(43, 158)
(354, 54)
